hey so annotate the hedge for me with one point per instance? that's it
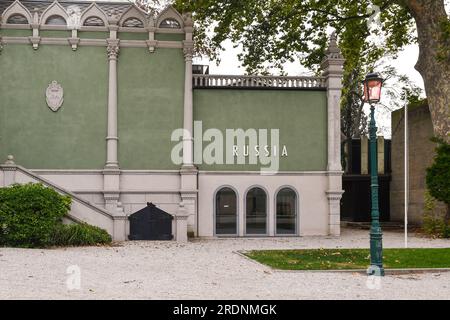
(31, 216)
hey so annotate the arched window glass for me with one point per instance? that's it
(17, 19)
(256, 212)
(56, 21)
(170, 24)
(133, 23)
(286, 211)
(93, 22)
(226, 212)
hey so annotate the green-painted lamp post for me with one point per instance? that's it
(372, 94)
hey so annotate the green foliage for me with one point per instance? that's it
(273, 32)
(438, 184)
(438, 174)
(79, 235)
(29, 213)
(434, 223)
(31, 217)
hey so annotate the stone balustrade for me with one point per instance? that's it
(240, 81)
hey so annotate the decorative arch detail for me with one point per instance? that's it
(134, 13)
(16, 8)
(169, 14)
(55, 9)
(93, 11)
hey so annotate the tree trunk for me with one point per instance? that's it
(429, 16)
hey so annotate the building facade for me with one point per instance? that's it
(99, 101)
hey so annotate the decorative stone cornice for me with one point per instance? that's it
(10, 160)
(113, 49)
(9, 164)
(334, 195)
(74, 42)
(152, 44)
(35, 42)
(333, 62)
(188, 50)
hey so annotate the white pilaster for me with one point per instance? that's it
(332, 67)
(188, 120)
(112, 137)
(111, 172)
(188, 172)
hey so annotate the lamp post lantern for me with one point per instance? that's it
(372, 93)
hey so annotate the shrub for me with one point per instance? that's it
(79, 235)
(29, 214)
(438, 175)
(434, 224)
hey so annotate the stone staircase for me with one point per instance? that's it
(81, 210)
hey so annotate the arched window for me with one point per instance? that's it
(133, 23)
(286, 215)
(56, 21)
(93, 22)
(226, 212)
(256, 211)
(17, 19)
(170, 24)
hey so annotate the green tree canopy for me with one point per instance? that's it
(276, 31)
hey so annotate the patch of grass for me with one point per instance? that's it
(342, 259)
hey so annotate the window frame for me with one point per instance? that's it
(93, 16)
(215, 211)
(17, 24)
(55, 25)
(170, 28)
(266, 234)
(131, 18)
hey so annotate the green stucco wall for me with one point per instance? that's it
(74, 136)
(150, 106)
(169, 36)
(300, 116)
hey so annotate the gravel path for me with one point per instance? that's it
(205, 269)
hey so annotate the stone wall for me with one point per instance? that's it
(421, 153)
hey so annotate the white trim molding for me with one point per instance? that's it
(16, 8)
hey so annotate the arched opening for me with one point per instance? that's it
(226, 212)
(17, 19)
(286, 212)
(170, 24)
(256, 212)
(93, 22)
(133, 23)
(56, 21)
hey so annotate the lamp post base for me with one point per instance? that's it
(375, 270)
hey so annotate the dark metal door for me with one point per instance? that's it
(150, 223)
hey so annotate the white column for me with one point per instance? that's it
(188, 172)
(332, 67)
(111, 172)
(112, 137)
(188, 118)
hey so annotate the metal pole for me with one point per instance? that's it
(406, 175)
(376, 236)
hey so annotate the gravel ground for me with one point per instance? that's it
(206, 269)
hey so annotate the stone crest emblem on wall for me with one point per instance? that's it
(54, 96)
